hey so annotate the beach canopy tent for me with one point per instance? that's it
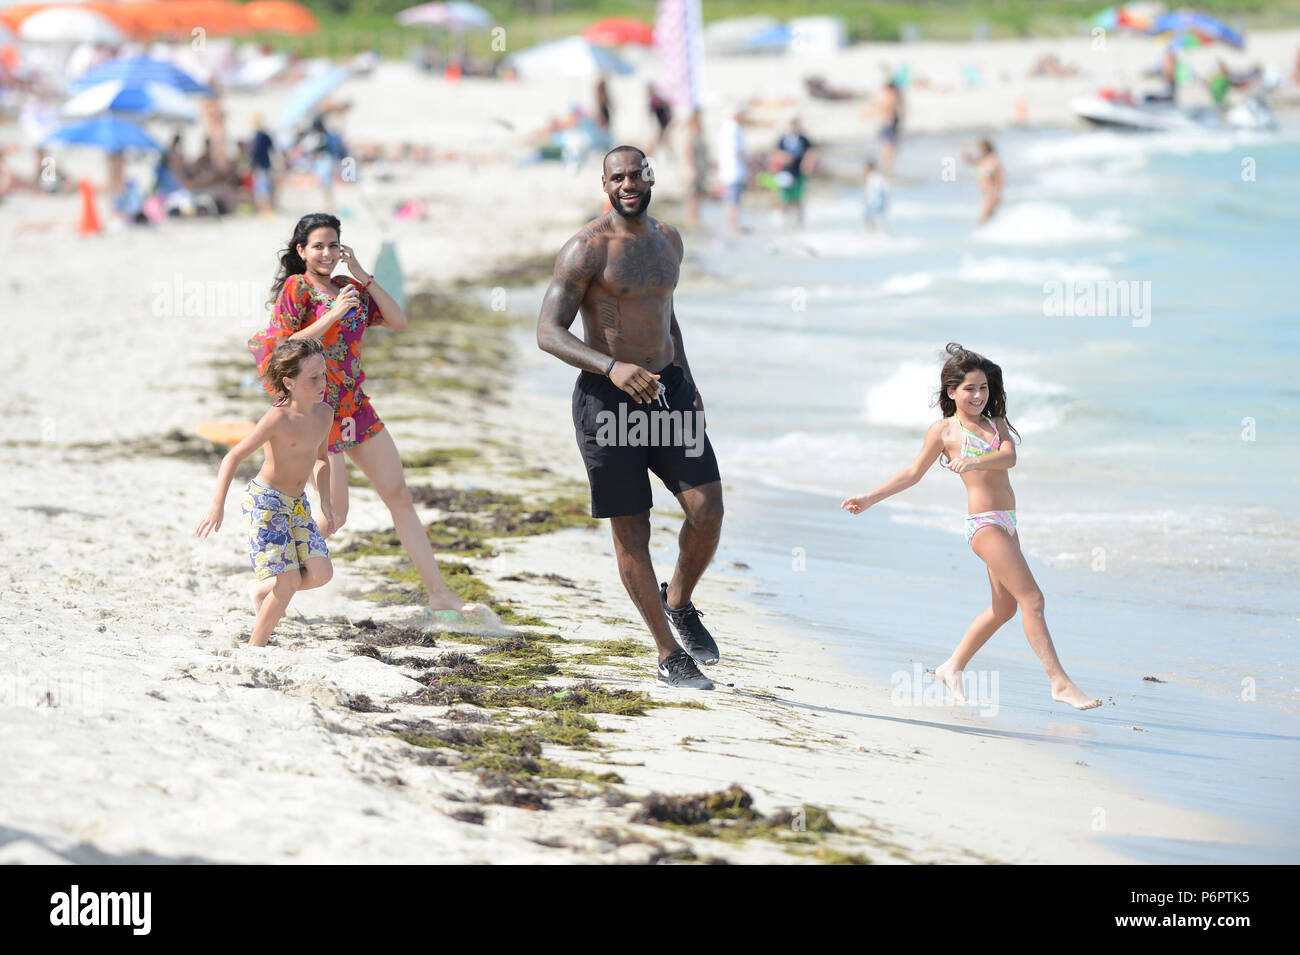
(455, 16)
(308, 93)
(775, 39)
(1193, 28)
(138, 70)
(137, 100)
(107, 133)
(729, 36)
(620, 31)
(70, 24)
(574, 56)
(280, 16)
(815, 36)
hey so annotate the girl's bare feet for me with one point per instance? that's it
(952, 680)
(1067, 692)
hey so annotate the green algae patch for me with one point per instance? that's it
(509, 758)
(729, 815)
(473, 520)
(617, 653)
(585, 697)
(437, 457)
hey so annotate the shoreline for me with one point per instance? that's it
(154, 732)
(320, 698)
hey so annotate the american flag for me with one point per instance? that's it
(678, 48)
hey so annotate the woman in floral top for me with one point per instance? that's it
(311, 302)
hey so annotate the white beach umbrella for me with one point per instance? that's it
(449, 16)
(573, 56)
(70, 25)
(132, 100)
(259, 70)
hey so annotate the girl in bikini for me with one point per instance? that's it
(981, 450)
(311, 302)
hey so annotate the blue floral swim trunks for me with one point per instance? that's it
(281, 533)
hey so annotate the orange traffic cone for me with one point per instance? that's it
(89, 224)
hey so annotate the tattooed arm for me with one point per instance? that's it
(575, 267)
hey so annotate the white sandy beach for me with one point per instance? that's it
(138, 729)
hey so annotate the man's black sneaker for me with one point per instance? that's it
(679, 670)
(691, 634)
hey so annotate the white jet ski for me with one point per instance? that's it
(1121, 111)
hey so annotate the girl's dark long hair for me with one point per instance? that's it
(291, 263)
(961, 363)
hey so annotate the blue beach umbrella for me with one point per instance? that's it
(104, 132)
(153, 100)
(308, 93)
(137, 70)
(1202, 25)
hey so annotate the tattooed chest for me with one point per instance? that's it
(637, 269)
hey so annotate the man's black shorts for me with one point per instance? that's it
(622, 440)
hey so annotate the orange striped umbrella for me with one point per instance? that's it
(281, 16)
(182, 17)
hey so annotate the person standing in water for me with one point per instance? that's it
(620, 273)
(992, 179)
(974, 438)
(889, 107)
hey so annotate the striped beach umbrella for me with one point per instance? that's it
(140, 101)
(449, 16)
(136, 70)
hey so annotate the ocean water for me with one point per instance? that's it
(1160, 442)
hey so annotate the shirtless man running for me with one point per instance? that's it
(620, 272)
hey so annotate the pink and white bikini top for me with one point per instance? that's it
(975, 446)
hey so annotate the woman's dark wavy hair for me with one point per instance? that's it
(961, 363)
(291, 263)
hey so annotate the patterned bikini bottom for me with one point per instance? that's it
(1003, 519)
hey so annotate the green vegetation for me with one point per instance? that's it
(351, 25)
(729, 815)
(514, 757)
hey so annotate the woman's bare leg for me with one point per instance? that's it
(379, 460)
(338, 490)
(1001, 552)
(1001, 609)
